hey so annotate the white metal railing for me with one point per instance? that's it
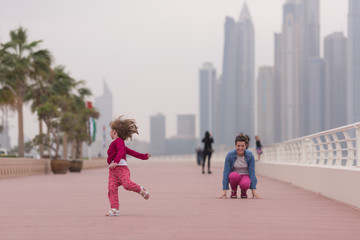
(339, 147)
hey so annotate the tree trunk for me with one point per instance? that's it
(73, 147)
(19, 107)
(48, 137)
(65, 146)
(57, 142)
(41, 146)
(78, 149)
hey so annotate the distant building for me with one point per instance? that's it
(237, 81)
(335, 57)
(207, 107)
(266, 106)
(104, 105)
(353, 63)
(300, 43)
(157, 134)
(315, 98)
(278, 89)
(292, 64)
(177, 145)
(184, 142)
(139, 146)
(186, 126)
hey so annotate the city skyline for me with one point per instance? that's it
(152, 69)
(302, 88)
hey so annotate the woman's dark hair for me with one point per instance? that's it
(240, 138)
(207, 134)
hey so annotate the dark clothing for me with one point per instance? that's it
(207, 143)
(199, 156)
(207, 150)
(258, 147)
(208, 154)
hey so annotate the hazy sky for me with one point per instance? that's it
(148, 51)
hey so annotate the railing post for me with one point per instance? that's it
(303, 151)
(357, 137)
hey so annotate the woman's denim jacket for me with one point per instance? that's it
(229, 166)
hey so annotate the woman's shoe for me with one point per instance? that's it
(243, 194)
(233, 194)
(209, 172)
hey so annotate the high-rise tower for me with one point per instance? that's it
(207, 89)
(290, 70)
(335, 56)
(299, 46)
(245, 74)
(265, 105)
(353, 63)
(103, 104)
(237, 82)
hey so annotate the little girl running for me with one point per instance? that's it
(119, 174)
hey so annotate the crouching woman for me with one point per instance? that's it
(239, 170)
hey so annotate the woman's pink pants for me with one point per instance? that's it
(236, 179)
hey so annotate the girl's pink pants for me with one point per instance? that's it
(118, 176)
(236, 179)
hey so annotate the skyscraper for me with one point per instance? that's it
(310, 27)
(315, 103)
(277, 88)
(237, 82)
(353, 63)
(335, 57)
(103, 104)
(207, 89)
(228, 83)
(157, 134)
(299, 45)
(245, 73)
(266, 104)
(290, 70)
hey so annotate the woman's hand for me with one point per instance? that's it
(223, 195)
(148, 155)
(254, 193)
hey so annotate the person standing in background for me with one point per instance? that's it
(248, 141)
(258, 147)
(207, 140)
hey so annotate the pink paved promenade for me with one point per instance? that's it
(182, 206)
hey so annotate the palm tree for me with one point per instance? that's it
(64, 85)
(37, 93)
(75, 121)
(55, 100)
(20, 63)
